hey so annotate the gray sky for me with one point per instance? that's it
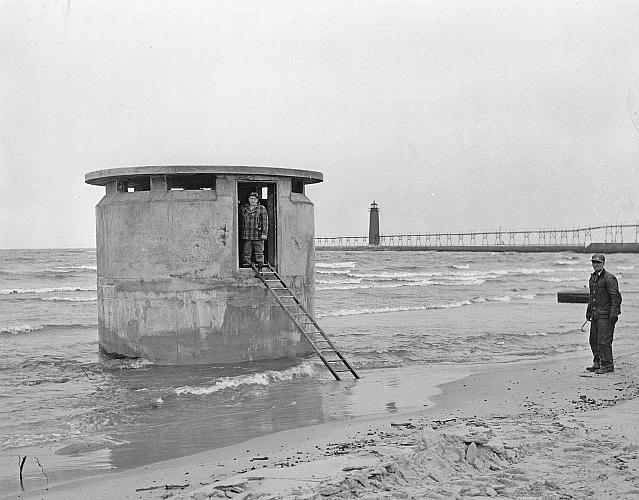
(451, 115)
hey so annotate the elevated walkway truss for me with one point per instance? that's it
(612, 234)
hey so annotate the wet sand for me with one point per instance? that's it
(535, 429)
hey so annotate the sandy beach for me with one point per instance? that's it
(531, 429)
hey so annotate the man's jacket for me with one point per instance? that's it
(605, 299)
(254, 222)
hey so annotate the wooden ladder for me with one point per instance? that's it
(305, 323)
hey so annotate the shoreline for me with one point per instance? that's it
(521, 417)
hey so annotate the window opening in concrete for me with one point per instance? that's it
(141, 183)
(297, 186)
(268, 199)
(190, 182)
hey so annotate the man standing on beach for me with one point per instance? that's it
(604, 307)
(254, 228)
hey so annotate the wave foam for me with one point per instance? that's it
(526, 296)
(558, 280)
(125, 363)
(69, 299)
(332, 271)
(364, 286)
(8, 441)
(345, 281)
(263, 378)
(11, 291)
(335, 265)
(18, 329)
(505, 298)
(73, 268)
(377, 310)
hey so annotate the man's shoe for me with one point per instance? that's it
(592, 368)
(604, 370)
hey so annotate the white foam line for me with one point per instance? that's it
(9, 291)
(263, 378)
(349, 312)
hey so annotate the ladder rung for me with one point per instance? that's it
(316, 335)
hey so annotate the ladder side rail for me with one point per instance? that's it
(303, 332)
(315, 324)
(320, 330)
(300, 328)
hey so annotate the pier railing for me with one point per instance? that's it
(612, 233)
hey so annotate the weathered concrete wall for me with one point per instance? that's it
(169, 286)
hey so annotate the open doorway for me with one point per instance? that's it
(266, 192)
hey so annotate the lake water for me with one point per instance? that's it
(399, 317)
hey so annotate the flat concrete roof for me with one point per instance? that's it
(102, 177)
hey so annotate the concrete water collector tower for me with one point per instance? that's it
(170, 285)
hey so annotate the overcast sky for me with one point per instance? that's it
(453, 116)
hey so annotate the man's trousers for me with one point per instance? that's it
(252, 246)
(601, 333)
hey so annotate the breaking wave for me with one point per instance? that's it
(345, 281)
(264, 378)
(69, 299)
(10, 291)
(22, 329)
(376, 310)
(335, 265)
(332, 271)
(363, 286)
(559, 280)
(18, 329)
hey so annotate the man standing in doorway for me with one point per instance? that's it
(254, 228)
(604, 307)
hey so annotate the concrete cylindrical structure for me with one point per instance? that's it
(169, 282)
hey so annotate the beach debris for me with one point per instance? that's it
(471, 453)
(407, 425)
(21, 461)
(437, 423)
(164, 487)
(499, 456)
(234, 484)
(258, 458)
(354, 467)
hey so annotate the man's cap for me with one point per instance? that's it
(254, 194)
(598, 257)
